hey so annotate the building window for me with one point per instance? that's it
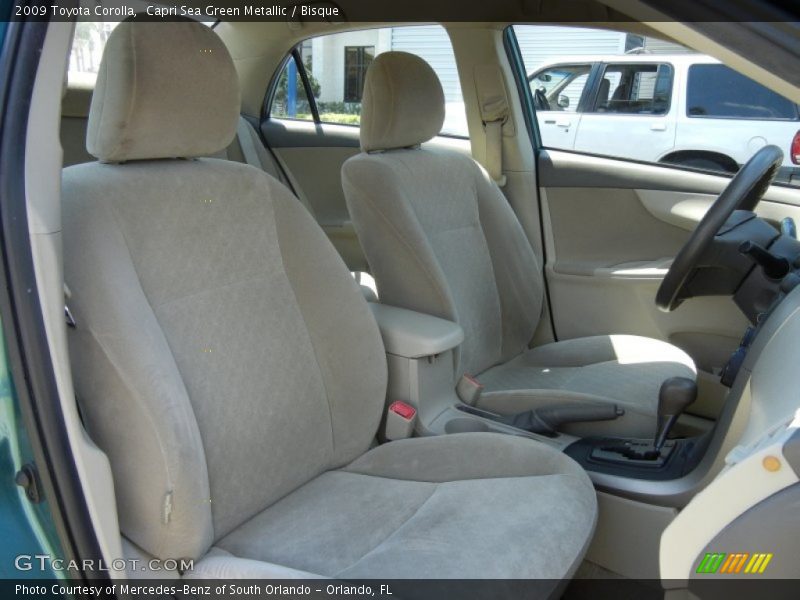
(356, 61)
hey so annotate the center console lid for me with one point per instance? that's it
(415, 335)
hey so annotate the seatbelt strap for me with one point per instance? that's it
(493, 105)
(245, 137)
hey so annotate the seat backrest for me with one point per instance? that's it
(211, 369)
(437, 232)
(602, 92)
(620, 93)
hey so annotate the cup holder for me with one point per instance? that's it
(465, 425)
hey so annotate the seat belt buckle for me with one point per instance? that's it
(469, 389)
(400, 420)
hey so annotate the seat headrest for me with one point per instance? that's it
(403, 103)
(164, 90)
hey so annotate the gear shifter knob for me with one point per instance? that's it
(674, 396)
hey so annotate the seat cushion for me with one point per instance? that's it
(476, 505)
(624, 369)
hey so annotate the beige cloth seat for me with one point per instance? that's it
(441, 238)
(235, 377)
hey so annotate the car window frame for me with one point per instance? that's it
(603, 65)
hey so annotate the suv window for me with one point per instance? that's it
(642, 89)
(718, 91)
(560, 88)
(323, 80)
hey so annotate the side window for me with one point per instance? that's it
(290, 99)
(646, 99)
(641, 89)
(335, 67)
(719, 92)
(88, 44)
(559, 88)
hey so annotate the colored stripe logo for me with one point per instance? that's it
(734, 563)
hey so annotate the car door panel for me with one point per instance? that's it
(312, 154)
(611, 228)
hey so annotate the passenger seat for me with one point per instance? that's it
(246, 147)
(235, 377)
(441, 238)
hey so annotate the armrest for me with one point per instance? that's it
(414, 335)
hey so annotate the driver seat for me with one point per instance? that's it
(441, 238)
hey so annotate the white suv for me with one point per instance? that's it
(689, 110)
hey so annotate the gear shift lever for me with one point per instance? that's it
(674, 396)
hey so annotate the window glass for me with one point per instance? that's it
(88, 43)
(559, 88)
(290, 100)
(613, 93)
(337, 64)
(718, 91)
(642, 89)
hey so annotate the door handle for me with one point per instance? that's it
(563, 123)
(658, 127)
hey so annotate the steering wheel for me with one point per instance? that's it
(744, 192)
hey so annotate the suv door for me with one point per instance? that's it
(559, 93)
(631, 113)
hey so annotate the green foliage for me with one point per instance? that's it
(344, 108)
(342, 118)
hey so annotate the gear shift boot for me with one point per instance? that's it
(640, 453)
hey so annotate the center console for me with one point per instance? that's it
(421, 355)
(420, 352)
